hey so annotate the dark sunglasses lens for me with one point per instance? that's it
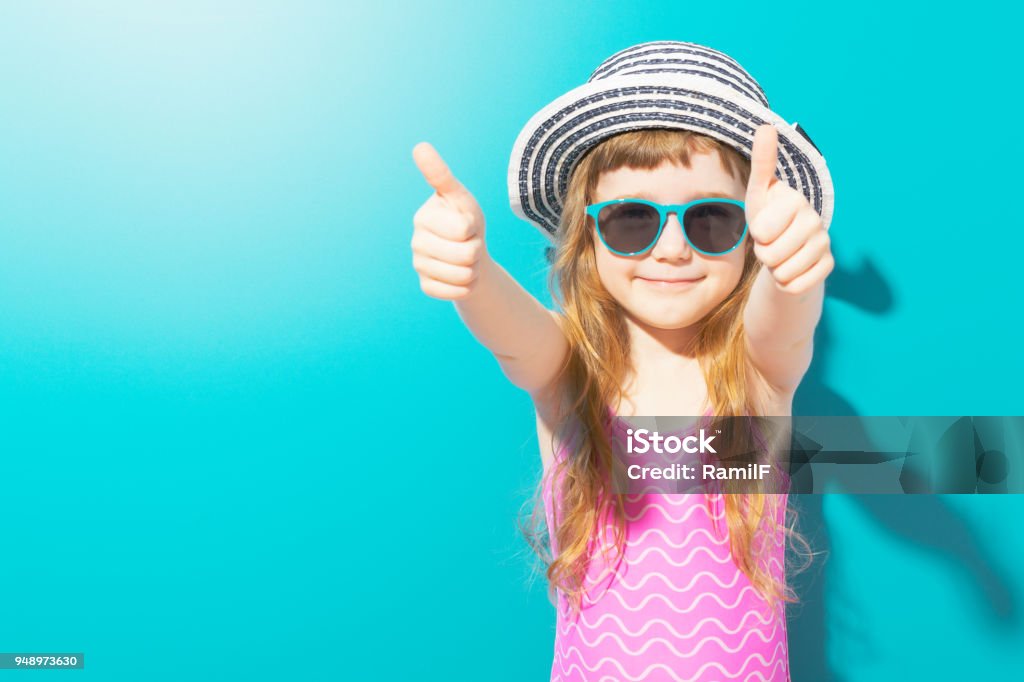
(714, 226)
(628, 227)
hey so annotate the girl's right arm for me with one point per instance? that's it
(450, 255)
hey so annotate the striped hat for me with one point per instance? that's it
(660, 84)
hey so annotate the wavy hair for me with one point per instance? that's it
(597, 364)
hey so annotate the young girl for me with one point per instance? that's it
(689, 280)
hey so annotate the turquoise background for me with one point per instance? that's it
(211, 331)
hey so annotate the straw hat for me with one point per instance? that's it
(660, 84)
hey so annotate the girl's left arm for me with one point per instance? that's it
(786, 300)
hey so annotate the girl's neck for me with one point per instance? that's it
(662, 362)
(657, 349)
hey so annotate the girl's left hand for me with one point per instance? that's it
(788, 234)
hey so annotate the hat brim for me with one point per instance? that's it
(556, 137)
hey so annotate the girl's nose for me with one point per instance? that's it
(671, 244)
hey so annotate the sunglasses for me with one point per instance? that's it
(630, 227)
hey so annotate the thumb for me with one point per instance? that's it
(437, 174)
(762, 168)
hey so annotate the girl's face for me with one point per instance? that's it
(647, 286)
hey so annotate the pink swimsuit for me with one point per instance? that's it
(678, 608)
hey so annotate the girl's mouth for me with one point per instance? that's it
(670, 284)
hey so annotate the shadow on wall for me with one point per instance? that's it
(925, 521)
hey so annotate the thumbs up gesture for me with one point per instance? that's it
(789, 238)
(448, 236)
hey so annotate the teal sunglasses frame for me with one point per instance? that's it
(663, 211)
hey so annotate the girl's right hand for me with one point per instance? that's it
(448, 246)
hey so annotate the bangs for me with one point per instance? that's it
(649, 148)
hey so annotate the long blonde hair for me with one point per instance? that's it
(597, 365)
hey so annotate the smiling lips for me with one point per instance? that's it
(670, 282)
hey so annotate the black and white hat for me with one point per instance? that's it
(660, 84)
